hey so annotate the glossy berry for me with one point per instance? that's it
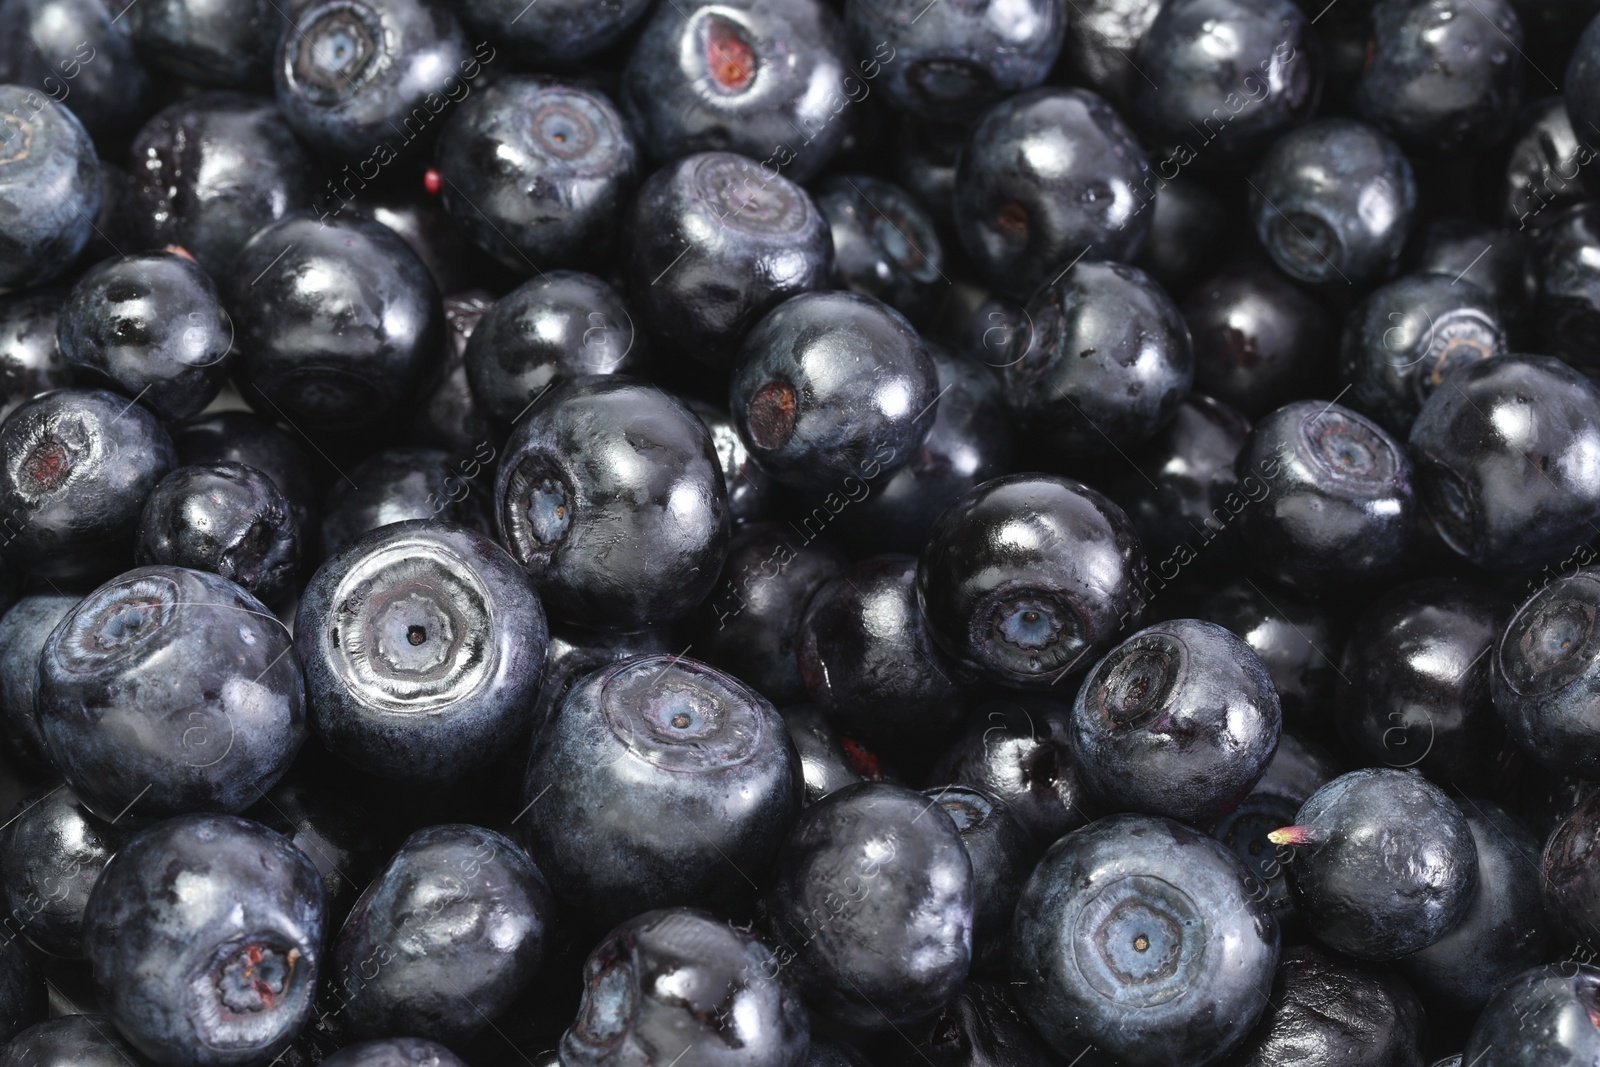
(1406, 337)
(70, 1041)
(1567, 883)
(610, 494)
(1181, 489)
(1030, 612)
(1179, 720)
(1237, 73)
(402, 484)
(1101, 36)
(1504, 931)
(247, 438)
(722, 775)
(359, 81)
(23, 630)
(1545, 1015)
(77, 50)
(1003, 852)
(751, 490)
(750, 625)
(212, 169)
(1416, 685)
(439, 980)
(866, 658)
(574, 653)
(767, 80)
(339, 837)
(1296, 771)
(695, 981)
(1443, 78)
(30, 362)
(1145, 938)
(1341, 505)
(1259, 340)
(229, 519)
(537, 173)
(152, 328)
(169, 690)
(713, 243)
(1188, 223)
(973, 438)
(1543, 672)
(885, 245)
(827, 761)
(1383, 863)
(423, 645)
(1298, 641)
(873, 903)
(1046, 176)
(51, 854)
(1480, 255)
(280, 291)
(226, 44)
(395, 1052)
(1566, 293)
(926, 155)
(1107, 361)
(50, 188)
(1505, 487)
(554, 31)
(557, 326)
(952, 62)
(78, 465)
(833, 388)
(449, 416)
(205, 936)
(1021, 754)
(1332, 201)
(1543, 175)
(1337, 1012)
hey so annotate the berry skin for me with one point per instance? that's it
(50, 188)
(1384, 863)
(1030, 613)
(1048, 175)
(423, 645)
(1179, 720)
(611, 495)
(170, 690)
(77, 467)
(1145, 938)
(438, 980)
(873, 902)
(538, 174)
(205, 937)
(833, 388)
(150, 327)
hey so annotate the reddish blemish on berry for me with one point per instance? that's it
(729, 56)
(1013, 219)
(255, 978)
(861, 759)
(179, 250)
(48, 465)
(433, 181)
(263, 990)
(772, 414)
